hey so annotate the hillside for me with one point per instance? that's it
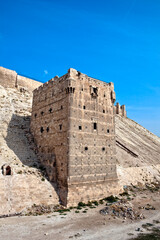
(138, 154)
(27, 185)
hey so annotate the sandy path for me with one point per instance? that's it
(92, 226)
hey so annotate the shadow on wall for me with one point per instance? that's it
(21, 142)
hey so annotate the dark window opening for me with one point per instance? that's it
(103, 111)
(60, 126)
(54, 164)
(103, 148)
(8, 170)
(82, 89)
(107, 130)
(95, 90)
(86, 148)
(70, 90)
(50, 110)
(35, 115)
(42, 113)
(61, 107)
(47, 129)
(104, 95)
(41, 129)
(84, 107)
(79, 73)
(80, 127)
(94, 126)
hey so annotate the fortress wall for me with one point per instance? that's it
(120, 109)
(27, 83)
(93, 191)
(10, 79)
(7, 77)
(49, 126)
(92, 155)
(19, 191)
(77, 103)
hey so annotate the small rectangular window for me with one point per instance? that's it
(60, 126)
(94, 126)
(80, 127)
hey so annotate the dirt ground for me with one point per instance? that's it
(86, 224)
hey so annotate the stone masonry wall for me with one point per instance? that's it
(74, 128)
(10, 79)
(92, 155)
(121, 110)
(19, 191)
(7, 77)
(49, 125)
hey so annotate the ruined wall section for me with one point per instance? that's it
(7, 78)
(10, 79)
(24, 82)
(92, 161)
(120, 109)
(49, 125)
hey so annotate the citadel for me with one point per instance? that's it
(70, 128)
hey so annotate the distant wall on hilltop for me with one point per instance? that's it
(7, 77)
(10, 79)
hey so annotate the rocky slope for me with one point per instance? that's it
(138, 152)
(138, 155)
(27, 185)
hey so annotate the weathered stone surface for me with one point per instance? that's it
(121, 110)
(138, 153)
(26, 185)
(74, 129)
(10, 79)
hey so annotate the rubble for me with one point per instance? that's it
(121, 210)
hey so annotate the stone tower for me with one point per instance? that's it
(73, 125)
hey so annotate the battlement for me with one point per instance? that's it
(121, 110)
(10, 79)
(70, 80)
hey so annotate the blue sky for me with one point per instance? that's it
(116, 41)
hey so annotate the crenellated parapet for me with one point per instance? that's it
(120, 109)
